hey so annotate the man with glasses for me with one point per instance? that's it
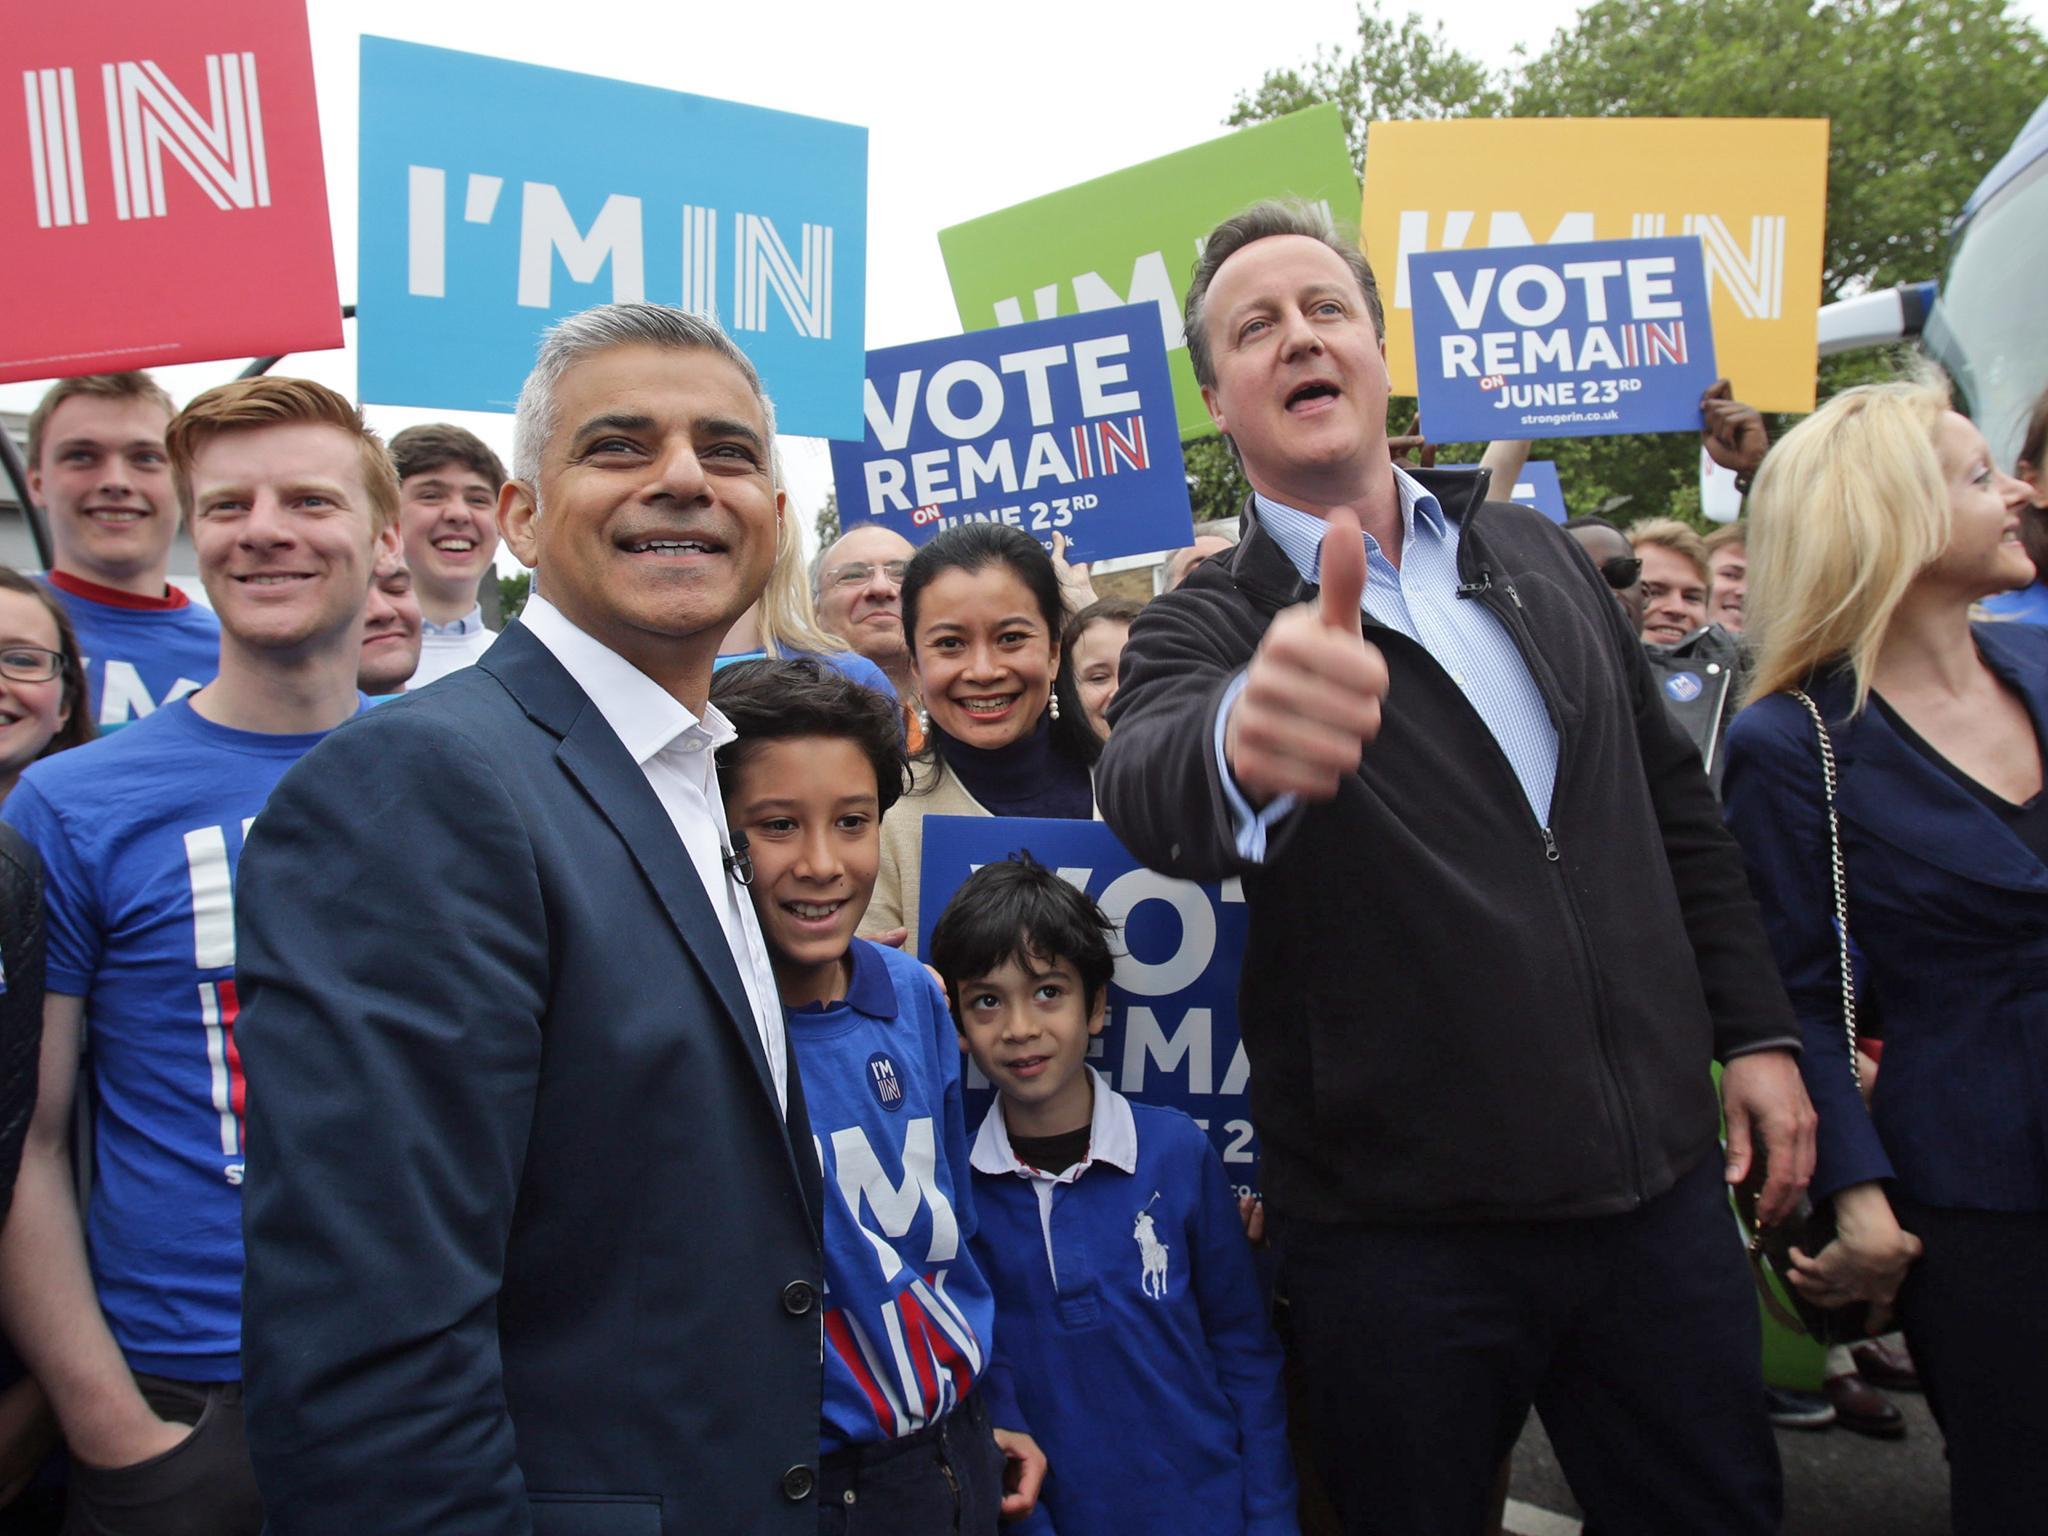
(860, 599)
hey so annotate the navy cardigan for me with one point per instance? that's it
(1949, 913)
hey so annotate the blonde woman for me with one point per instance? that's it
(1874, 526)
(783, 623)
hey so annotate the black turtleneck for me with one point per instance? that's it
(1029, 777)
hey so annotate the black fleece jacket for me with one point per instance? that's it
(1451, 1011)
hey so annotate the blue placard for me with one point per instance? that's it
(1537, 486)
(1171, 1037)
(1562, 340)
(497, 197)
(1063, 425)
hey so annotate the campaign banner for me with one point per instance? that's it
(1132, 237)
(1171, 1036)
(154, 162)
(1537, 486)
(1060, 425)
(498, 197)
(1753, 190)
(1563, 340)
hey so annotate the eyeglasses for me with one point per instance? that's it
(860, 574)
(1622, 571)
(31, 664)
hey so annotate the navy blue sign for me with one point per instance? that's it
(1171, 1037)
(1537, 486)
(1562, 340)
(1063, 425)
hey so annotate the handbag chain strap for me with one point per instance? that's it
(1841, 882)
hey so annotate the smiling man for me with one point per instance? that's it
(391, 631)
(1676, 581)
(291, 502)
(860, 599)
(448, 487)
(532, 1197)
(98, 467)
(1490, 1135)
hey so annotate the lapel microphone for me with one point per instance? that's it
(738, 862)
(1480, 587)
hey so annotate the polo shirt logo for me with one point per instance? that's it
(883, 1080)
(1151, 1252)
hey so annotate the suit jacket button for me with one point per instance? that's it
(798, 1482)
(798, 1297)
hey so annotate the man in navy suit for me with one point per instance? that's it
(531, 1199)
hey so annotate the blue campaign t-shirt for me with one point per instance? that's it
(139, 659)
(908, 1315)
(140, 834)
(2029, 605)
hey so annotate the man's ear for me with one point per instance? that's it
(1215, 409)
(518, 513)
(1098, 1012)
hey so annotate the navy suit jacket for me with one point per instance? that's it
(1949, 913)
(530, 1245)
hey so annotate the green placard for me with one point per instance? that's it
(1132, 237)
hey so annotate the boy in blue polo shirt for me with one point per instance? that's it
(906, 1438)
(1132, 1317)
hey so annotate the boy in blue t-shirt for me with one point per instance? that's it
(906, 1442)
(1132, 1316)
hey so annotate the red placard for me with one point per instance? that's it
(162, 198)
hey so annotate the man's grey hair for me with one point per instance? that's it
(570, 340)
(1259, 222)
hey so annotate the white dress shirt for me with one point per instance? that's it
(674, 748)
(450, 647)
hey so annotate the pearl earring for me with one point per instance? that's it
(1055, 704)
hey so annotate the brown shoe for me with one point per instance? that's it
(1861, 1407)
(1884, 1365)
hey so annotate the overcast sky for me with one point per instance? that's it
(969, 108)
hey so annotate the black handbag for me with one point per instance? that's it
(1812, 1227)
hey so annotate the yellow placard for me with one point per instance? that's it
(1753, 189)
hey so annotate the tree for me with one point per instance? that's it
(827, 523)
(1216, 486)
(1923, 96)
(1399, 70)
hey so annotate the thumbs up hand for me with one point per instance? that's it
(1312, 693)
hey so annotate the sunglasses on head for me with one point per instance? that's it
(1622, 571)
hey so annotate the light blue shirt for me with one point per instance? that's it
(1420, 599)
(471, 623)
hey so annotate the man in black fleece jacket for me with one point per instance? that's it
(1497, 937)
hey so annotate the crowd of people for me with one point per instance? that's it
(464, 1080)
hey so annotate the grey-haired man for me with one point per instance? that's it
(531, 1194)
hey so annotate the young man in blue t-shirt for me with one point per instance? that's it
(99, 468)
(1132, 1317)
(132, 1322)
(908, 1443)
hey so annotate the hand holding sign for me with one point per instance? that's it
(1311, 699)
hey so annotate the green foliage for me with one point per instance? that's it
(1400, 69)
(827, 523)
(1216, 486)
(512, 592)
(1923, 96)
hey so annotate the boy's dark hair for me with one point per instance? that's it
(1020, 910)
(801, 696)
(434, 443)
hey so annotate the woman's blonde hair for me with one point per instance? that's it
(786, 619)
(1848, 509)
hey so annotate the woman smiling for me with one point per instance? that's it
(982, 610)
